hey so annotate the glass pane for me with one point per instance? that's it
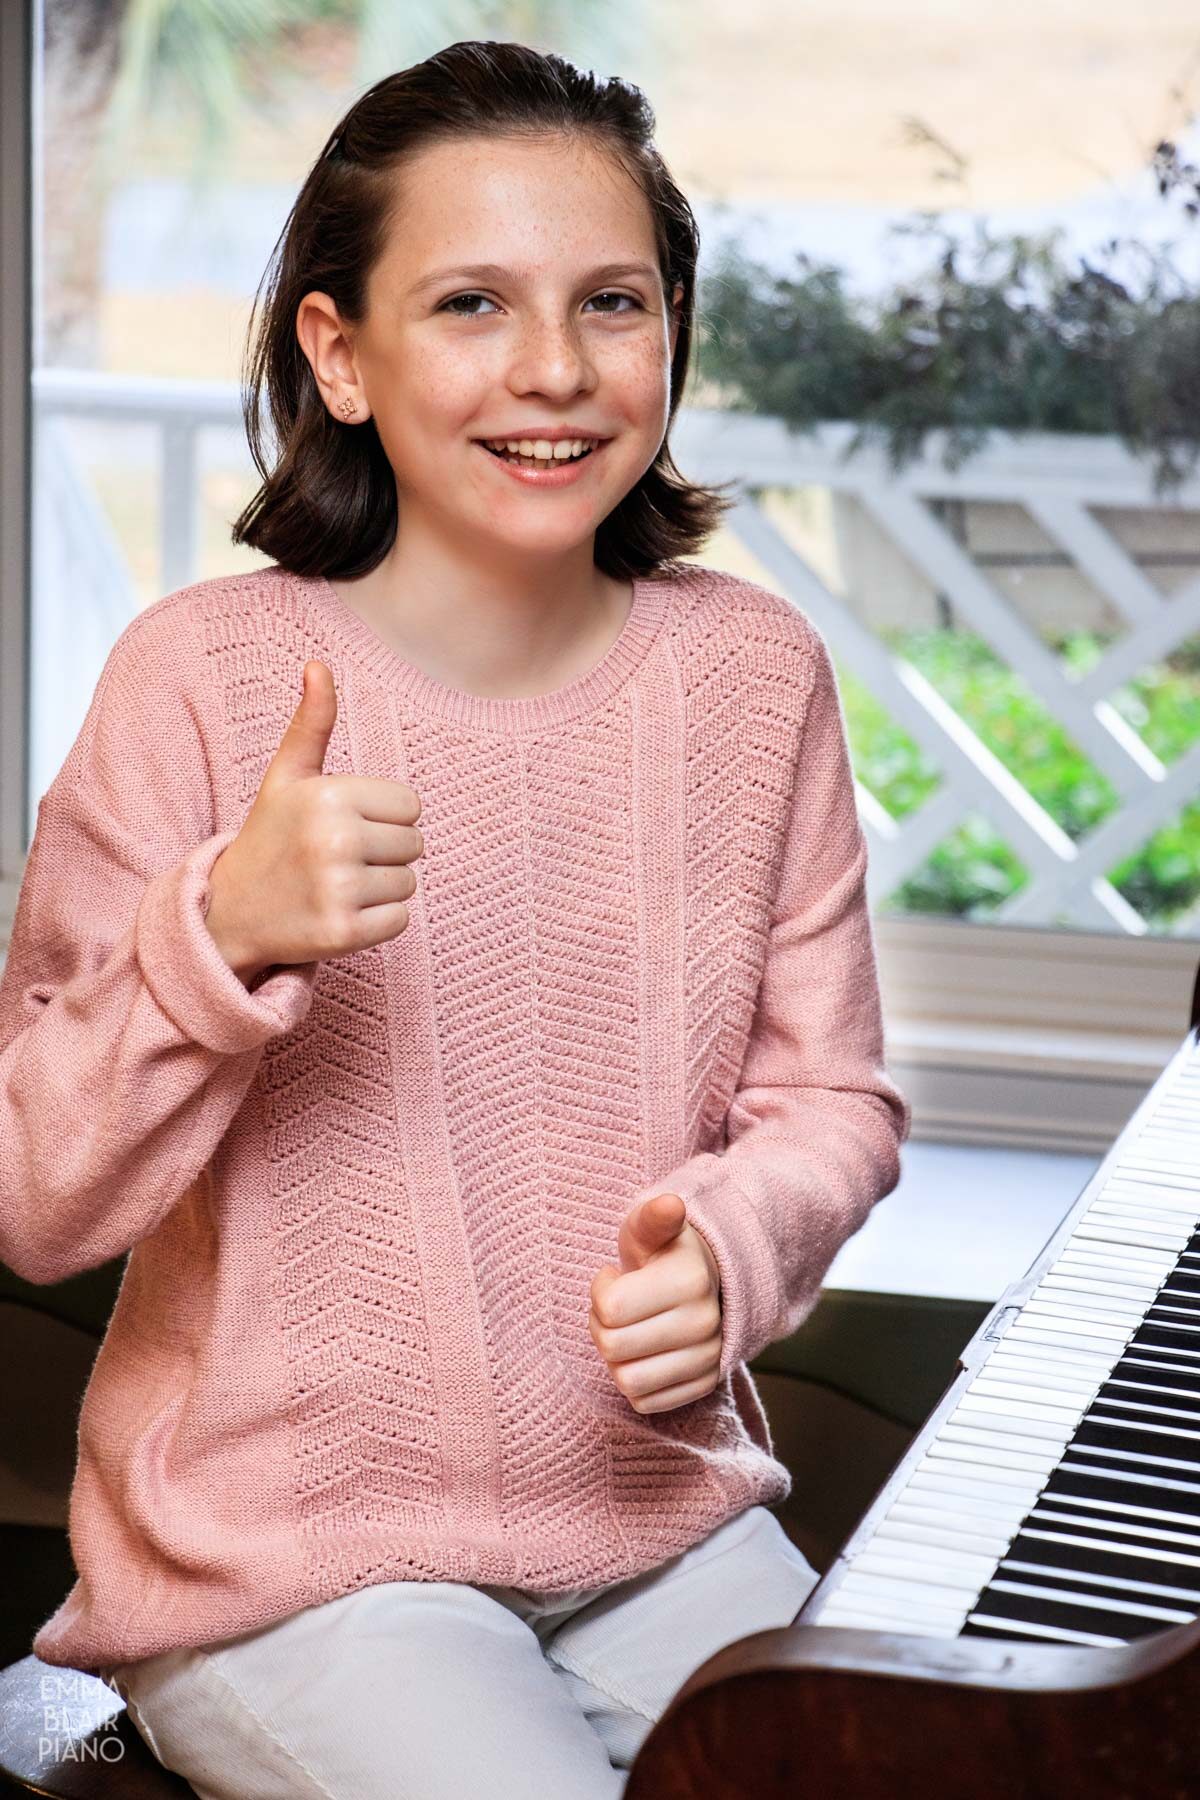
(879, 250)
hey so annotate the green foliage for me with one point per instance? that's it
(1022, 341)
(974, 869)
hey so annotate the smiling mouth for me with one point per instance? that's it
(534, 462)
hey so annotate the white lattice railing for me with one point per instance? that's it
(1056, 481)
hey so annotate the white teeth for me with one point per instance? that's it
(542, 448)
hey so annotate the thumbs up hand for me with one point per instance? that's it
(320, 866)
(656, 1321)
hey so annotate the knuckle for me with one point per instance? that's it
(324, 793)
(341, 925)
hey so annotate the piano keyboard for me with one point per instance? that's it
(1054, 1494)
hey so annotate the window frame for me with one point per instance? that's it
(999, 1034)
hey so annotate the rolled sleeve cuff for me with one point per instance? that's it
(189, 978)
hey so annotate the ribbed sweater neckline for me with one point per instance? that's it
(510, 716)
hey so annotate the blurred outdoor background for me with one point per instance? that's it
(962, 244)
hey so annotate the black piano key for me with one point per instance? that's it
(1145, 1440)
(1014, 1635)
(1159, 1337)
(1139, 1375)
(1146, 1406)
(1076, 1478)
(1088, 1560)
(1061, 1515)
(1081, 1590)
(1047, 1609)
(1184, 1307)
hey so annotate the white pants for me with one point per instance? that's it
(434, 1690)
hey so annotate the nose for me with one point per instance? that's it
(550, 358)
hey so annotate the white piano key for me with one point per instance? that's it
(1015, 1470)
(1004, 1449)
(1150, 1188)
(1013, 1490)
(1151, 1147)
(1133, 1257)
(899, 1610)
(1038, 1312)
(860, 1619)
(952, 1536)
(1085, 1261)
(1055, 1388)
(1100, 1287)
(931, 1596)
(1094, 1289)
(936, 1563)
(932, 1498)
(1051, 1359)
(998, 1412)
(1019, 1401)
(1147, 1202)
(1069, 1303)
(1159, 1160)
(1038, 1332)
(1147, 1239)
(1101, 1268)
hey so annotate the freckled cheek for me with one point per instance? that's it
(637, 381)
(442, 393)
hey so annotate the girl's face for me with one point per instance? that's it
(567, 326)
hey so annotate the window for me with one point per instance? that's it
(1015, 636)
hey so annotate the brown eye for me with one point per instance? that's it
(607, 296)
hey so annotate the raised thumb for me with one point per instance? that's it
(649, 1228)
(303, 745)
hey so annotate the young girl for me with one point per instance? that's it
(462, 1167)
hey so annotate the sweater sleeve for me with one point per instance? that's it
(127, 1043)
(813, 1132)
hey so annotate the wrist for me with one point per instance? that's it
(245, 964)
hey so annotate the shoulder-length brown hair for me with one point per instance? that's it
(328, 504)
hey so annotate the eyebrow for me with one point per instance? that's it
(495, 272)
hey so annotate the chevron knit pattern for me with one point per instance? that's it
(364, 1199)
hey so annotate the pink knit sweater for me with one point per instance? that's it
(364, 1199)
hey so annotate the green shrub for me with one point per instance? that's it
(1025, 341)
(975, 868)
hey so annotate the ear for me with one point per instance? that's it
(676, 306)
(324, 340)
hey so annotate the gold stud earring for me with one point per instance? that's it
(347, 407)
